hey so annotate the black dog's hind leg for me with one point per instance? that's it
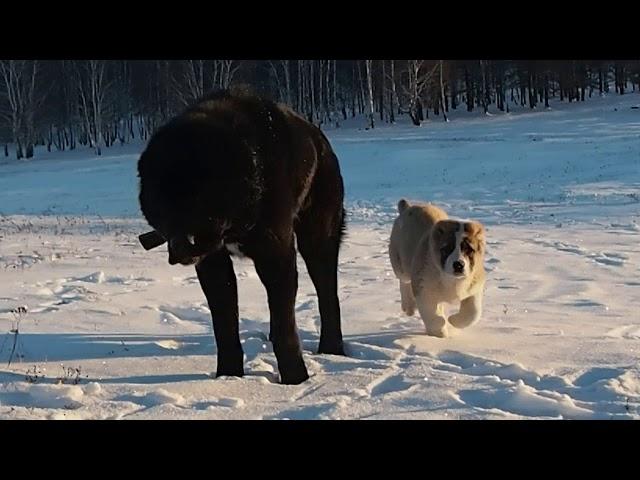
(276, 266)
(319, 238)
(218, 282)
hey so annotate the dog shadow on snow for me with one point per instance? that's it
(71, 349)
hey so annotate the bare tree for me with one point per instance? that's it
(327, 92)
(382, 89)
(96, 103)
(367, 64)
(442, 99)
(485, 94)
(228, 70)
(195, 78)
(70, 105)
(300, 85)
(334, 105)
(312, 91)
(418, 80)
(191, 84)
(393, 106)
(279, 83)
(92, 88)
(321, 97)
(287, 81)
(361, 100)
(23, 99)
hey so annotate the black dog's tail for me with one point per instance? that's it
(343, 225)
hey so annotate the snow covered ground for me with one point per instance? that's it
(113, 331)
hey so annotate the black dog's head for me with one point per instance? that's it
(199, 184)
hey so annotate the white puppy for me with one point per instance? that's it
(438, 260)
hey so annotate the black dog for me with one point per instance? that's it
(238, 174)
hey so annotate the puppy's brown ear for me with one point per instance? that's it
(403, 205)
(438, 231)
(476, 233)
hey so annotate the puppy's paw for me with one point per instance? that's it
(459, 320)
(437, 327)
(409, 311)
(438, 332)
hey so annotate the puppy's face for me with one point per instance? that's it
(458, 246)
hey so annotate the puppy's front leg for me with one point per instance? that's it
(431, 314)
(407, 299)
(470, 312)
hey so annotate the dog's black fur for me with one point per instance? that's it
(239, 169)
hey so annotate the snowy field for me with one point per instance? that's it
(114, 332)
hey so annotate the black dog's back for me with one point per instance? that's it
(236, 173)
